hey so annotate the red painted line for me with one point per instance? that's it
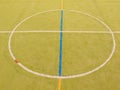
(16, 61)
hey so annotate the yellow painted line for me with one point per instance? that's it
(60, 80)
(62, 4)
(59, 84)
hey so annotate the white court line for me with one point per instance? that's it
(69, 76)
(55, 31)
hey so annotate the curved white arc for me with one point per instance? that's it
(11, 34)
(110, 56)
(36, 73)
(70, 76)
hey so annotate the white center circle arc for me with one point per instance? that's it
(70, 76)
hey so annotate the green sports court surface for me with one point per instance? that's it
(59, 45)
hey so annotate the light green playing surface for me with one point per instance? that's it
(86, 44)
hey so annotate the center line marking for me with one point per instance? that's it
(61, 42)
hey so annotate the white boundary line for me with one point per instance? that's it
(70, 76)
(53, 31)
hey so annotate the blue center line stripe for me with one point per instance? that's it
(61, 42)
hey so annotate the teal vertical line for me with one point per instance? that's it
(61, 42)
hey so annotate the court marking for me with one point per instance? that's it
(61, 4)
(59, 84)
(70, 76)
(61, 43)
(56, 31)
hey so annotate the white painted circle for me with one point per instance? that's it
(70, 76)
